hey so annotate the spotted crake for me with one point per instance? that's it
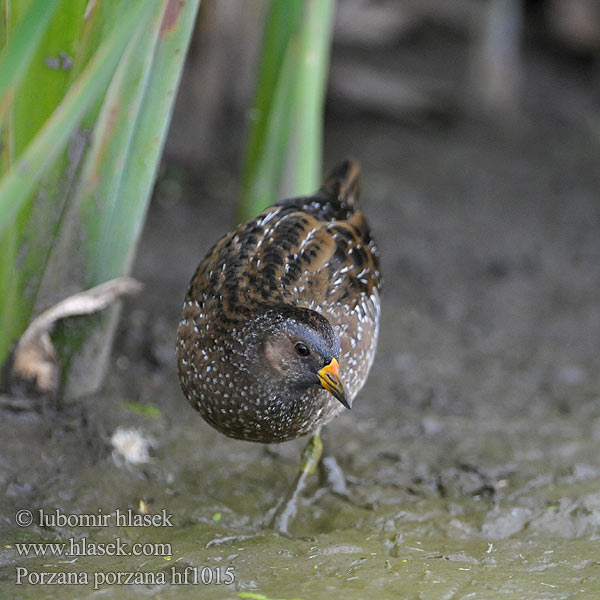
(280, 320)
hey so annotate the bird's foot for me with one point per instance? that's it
(332, 480)
(288, 507)
(331, 477)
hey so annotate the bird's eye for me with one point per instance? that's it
(302, 349)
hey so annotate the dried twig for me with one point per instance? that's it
(34, 357)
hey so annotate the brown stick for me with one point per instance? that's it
(34, 356)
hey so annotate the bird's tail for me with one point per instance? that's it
(342, 182)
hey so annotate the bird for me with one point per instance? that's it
(280, 320)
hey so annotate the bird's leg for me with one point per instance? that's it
(309, 462)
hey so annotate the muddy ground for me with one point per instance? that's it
(474, 448)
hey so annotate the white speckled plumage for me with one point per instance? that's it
(304, 269)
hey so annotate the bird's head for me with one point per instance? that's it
(297, 348)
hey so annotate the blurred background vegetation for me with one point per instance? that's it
(87, 90)
(423, 63)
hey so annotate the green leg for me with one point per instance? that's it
(311, 455)
(287, 509)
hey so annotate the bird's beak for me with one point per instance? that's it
(329, 376)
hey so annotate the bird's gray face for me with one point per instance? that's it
(299, 349)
